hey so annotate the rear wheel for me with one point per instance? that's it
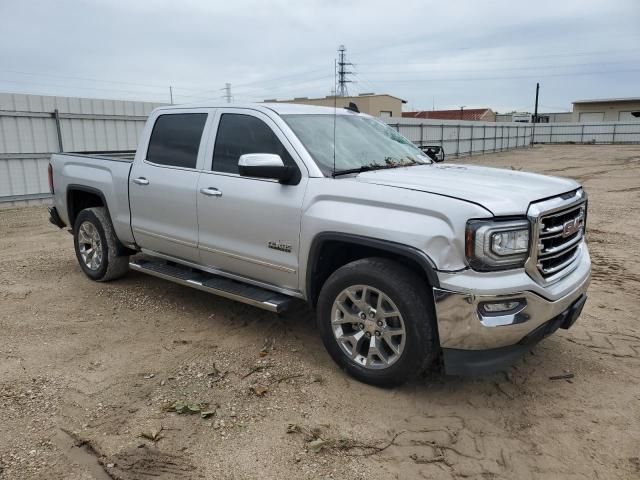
(376, 320)
(96, 246)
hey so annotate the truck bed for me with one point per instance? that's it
(106, 172)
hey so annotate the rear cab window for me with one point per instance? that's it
(175, 139)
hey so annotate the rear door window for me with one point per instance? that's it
(240, 134)
(175, 139)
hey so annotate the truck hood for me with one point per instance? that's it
(501, 191)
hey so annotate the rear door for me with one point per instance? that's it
(251, 226)
(163, 185)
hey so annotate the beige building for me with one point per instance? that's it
(607, 110)
(377, 105)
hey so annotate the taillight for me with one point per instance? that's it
(51, 179)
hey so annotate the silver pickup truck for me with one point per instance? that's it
(405, 260)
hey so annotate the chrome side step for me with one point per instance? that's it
(224, 287)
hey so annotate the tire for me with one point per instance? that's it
(93, 230)
(406, 294)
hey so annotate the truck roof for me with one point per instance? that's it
(279, 108)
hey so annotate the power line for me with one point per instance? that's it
(483, 59)
(273, 92)
(198, 92)
(508, 69)
(541, 74)
(77, 87)
(362, 81)
(263, 81)
(262, 91)
(88, 79)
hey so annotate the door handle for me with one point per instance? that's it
(211, 192)
(141, 181)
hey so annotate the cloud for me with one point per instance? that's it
(444, 53)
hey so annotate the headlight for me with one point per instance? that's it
(497, 245)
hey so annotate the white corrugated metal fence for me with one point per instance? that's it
(32, 127)
(602, 132)
(463, 137)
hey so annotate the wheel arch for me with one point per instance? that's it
(331, 250)
(80, 197)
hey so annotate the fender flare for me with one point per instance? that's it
(399, 249)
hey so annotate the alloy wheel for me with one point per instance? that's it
(90, 245)
(368, 326)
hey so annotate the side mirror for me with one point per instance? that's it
(264, 165)
(434, 152)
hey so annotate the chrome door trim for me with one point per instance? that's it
(249, 259)
(164, 237)
(223, 273)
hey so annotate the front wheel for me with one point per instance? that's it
(376, 320)
(96, 246)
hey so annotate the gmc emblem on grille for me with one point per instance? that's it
(571, 227)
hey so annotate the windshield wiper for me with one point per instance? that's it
(368, 168)
(364, 168)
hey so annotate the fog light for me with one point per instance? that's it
(502, 308)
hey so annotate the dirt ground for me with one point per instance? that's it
(89, 372)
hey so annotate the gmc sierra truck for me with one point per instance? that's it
(405, 259)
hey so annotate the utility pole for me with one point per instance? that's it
(462, 111)
(535, 115)
(171, 94)
(342, 72)
(227, 92)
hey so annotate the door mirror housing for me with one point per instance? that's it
(434, 152)
(265, 165)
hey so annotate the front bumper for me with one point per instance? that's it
(476, 342)
(481, 362)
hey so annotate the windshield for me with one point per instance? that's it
(360, 142)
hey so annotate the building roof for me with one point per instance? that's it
(608, 100)
(466, 114)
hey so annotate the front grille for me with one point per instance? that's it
(558, 234)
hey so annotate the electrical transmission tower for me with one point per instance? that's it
(227, 92)
(342, 72)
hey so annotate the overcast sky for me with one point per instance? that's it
(445, 53)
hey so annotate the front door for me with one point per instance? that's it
(163, 187)
(250, 226)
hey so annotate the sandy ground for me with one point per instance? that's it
(89, 370)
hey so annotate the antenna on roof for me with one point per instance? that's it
(335, 107)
